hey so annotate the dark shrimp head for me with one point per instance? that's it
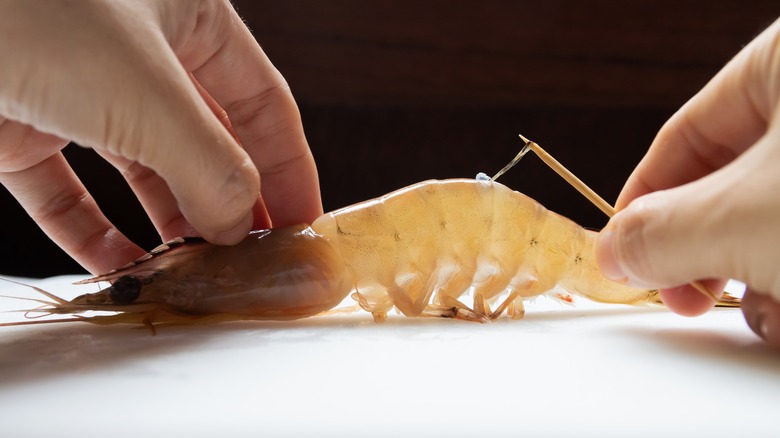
(283, 273)
(125, 289)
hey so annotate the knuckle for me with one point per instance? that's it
(270, 107)
(241, 187)
(225, 206)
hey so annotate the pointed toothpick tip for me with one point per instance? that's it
(525, 140)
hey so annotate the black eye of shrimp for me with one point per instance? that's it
(125, 289)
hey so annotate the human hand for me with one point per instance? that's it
(703, 203)
(176, 94)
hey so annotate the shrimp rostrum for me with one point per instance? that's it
(460, 248)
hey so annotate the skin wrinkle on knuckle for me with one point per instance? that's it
(137, 174)
(237, 194)
(76, 205)
(208, 32)
(243, 179)
(245, 111)
(284, 166)
(281, 129)
(179, 20)
(61, 204)
(284, 124)
(716, 154)
(195, 55)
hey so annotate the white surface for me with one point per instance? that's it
(589, 370)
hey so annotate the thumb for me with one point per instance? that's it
(214, 181)
(671, 237)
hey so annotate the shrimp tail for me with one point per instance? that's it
(726, 300)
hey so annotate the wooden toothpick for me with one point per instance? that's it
(581, 187)
(575, 182)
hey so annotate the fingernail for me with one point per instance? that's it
(763, 329)
(758, 324)
(606, 258)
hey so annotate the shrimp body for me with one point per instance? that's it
(420, 249)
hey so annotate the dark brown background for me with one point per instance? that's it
(394, 92)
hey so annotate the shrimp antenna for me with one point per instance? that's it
(39, 290)
(581, 187)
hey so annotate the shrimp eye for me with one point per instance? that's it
(125, 289)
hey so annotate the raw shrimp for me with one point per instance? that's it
(420, 249)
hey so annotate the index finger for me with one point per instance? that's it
(726, 117)
(262, 112)
(53, 196)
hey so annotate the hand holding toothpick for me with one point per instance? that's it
(581, 187)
